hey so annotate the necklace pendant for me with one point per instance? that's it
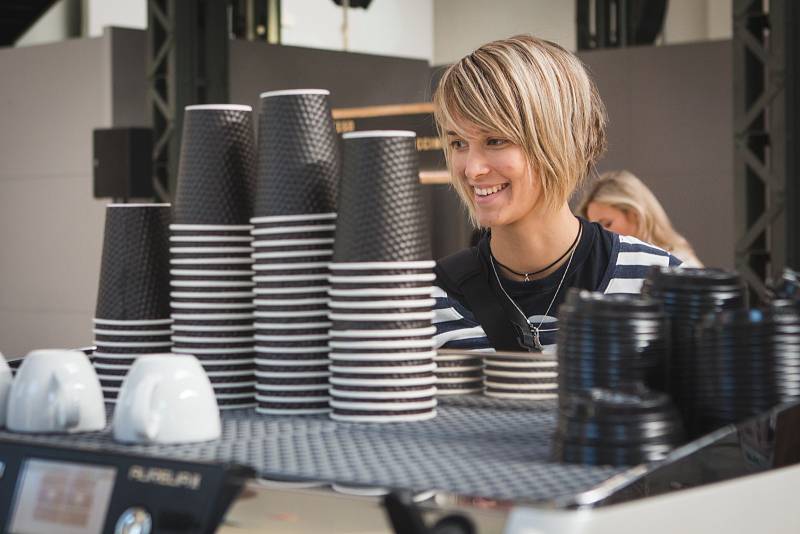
(527, 279)
(536, 341)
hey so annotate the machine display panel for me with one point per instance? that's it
(61, 498)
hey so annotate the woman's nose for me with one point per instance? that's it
(476, 164)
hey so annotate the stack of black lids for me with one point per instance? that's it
(746, 362)
(612, 352)
(687, 296)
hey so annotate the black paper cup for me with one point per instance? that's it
(299, 164)
(216, 172)
(381, 213)
(135, 263)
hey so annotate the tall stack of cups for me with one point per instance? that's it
(382, 348)
(293, 229)
(132, 312)
(211, 246)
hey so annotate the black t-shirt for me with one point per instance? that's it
(587, 270)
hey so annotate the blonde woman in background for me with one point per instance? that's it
(620, 202)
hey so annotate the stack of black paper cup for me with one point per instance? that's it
(382, 347)
(687, 296)
(611, 349)
(132, 312)
(747, 361)
(211, 267)
(458, 373)
(293, 229)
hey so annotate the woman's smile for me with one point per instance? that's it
(485, 194)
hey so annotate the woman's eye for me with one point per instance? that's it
(457, 143)
(496, 141)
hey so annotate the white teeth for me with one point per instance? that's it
(489, 191)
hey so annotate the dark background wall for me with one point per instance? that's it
(670, 114)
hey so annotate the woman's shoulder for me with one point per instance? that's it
(631, 260)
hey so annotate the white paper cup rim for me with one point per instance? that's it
(292, 218)
(139, 205)
(292, 92)
(291, 326)
(409, 394)
(212, 316)
(368, 370)
(408, 332)
(211, 227)
(405, 418)
(131, 333)
(390, 344)
(413, 316)
(378, 133)
(382, 292)
(228, 107)
(213, 328)
(216, 350)
(291, 350)
(292, 254)
(388, 265)
(277, 230)
(382, 406)
(373, 304)
(291, 387)
(383, 279)
(381, 356)
(210, 250)
(135, 322)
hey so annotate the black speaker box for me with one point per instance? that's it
(123, 162)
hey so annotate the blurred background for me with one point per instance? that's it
(700, 96)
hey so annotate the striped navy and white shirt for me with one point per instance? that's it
(603, 262)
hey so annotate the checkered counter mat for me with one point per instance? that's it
(476, 446)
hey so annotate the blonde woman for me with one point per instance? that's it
(523, 125)
(620, 202)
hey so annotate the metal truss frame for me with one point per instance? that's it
(765, 41)
(187, 64)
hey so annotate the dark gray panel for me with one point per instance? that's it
(129, 77)
(354, 80)
(670, 123)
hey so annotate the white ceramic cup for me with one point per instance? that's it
(56, 391)
(166, 398)
(5, 387)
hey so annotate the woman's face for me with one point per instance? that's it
(495, 172)
(614, 219)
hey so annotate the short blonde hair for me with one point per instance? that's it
(624, 191)
(538, 96)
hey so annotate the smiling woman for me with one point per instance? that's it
(522, 125)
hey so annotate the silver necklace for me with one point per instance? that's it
(535, 329)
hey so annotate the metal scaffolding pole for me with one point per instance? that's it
(188, 64)
(765, 141)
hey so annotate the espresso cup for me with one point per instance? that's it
(166, 398)
(55, 391)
